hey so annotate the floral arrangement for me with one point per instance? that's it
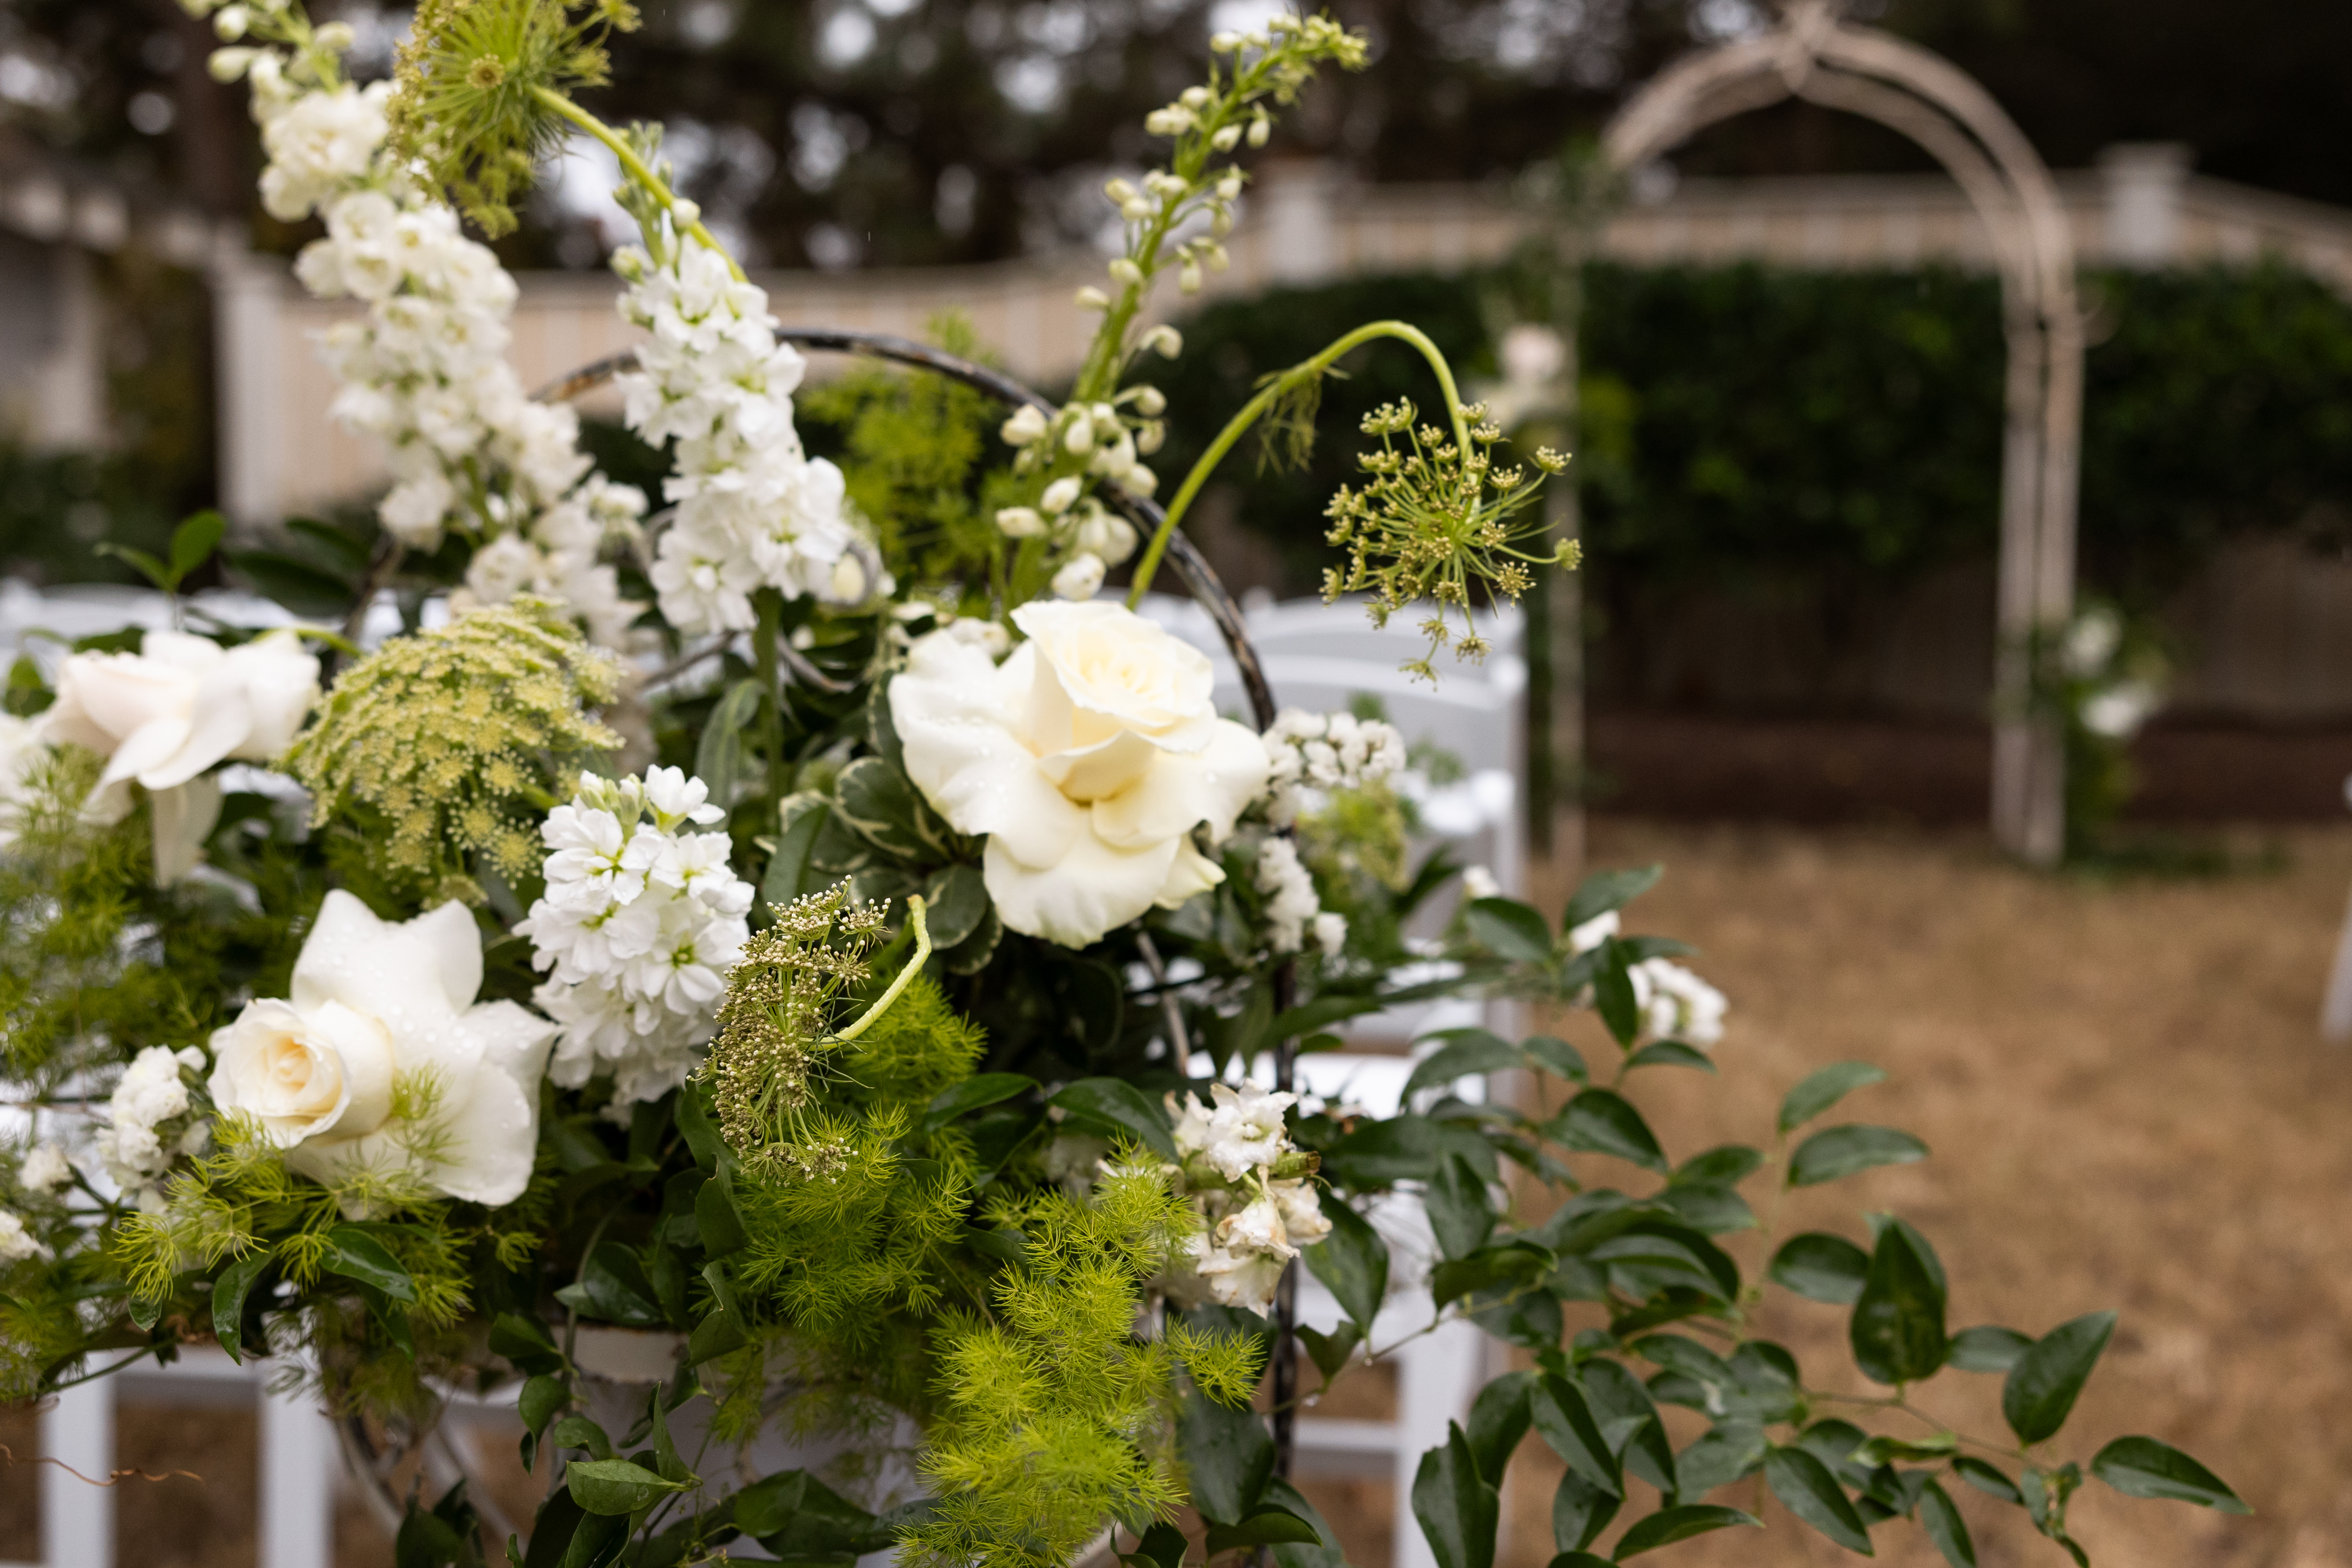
(806, 931)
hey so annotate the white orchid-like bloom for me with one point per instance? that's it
(164, 715)
(1087, 758)
(376, 1001)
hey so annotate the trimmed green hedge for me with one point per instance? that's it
(1747, 421)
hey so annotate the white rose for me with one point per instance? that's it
(180, 704)
(1087, 758)
(375, 1000)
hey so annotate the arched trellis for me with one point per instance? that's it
(1814, 55)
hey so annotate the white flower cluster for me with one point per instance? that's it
(140, 1141)
(425, 370)
(45, 1170)
(17, 1243)
(2114, 702)
(1673, 1003)
(1113, 438)
(640, 923)
(1257, 1221)
(753, 509)
(1315, 753)
(1293, 911)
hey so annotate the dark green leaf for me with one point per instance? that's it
(1989, 1478)
(1726, 1165)
(1606, 890)
(1458, 1511)
(878, 803)
(1989, 1348)
(1508, 929)
(803, 816)
(1506, 1263)
(1352, 1263)
(1557, 1056)
(1580, 1512)
(1161, 1546)
(613, 1286)
(1580, 1558)
(229, 1292)
(1939, 1516)
(959, 904)
(147, 565)
(667, 1461)
(1601, 1122)
(1711, 1210)
(2043, 1386)
(1804, 1485)
(1613, 993)
(335, 548)
(354, 1254)
(1330, 1351)
(722, 1331)
(553, 1531)
(698, 1126)
(297, 584)
(1822, 1268)
(1818, 1091)
(1563, 1418)
(580, 1432)
(540, 1398)
(1267, 1527)
(721, 759)
(1227, 1453)
(972, 1094)
(799, 1518)
(525, 1342)
(1466, 1052)
(1671, 1053)
(1114, 1104)
(1498, 1419)
(1897, 1327)
(1934, 1447)
(1669, 1525)
(2142, 1467)
(1458, 1210)
(1517, 1314)
(1841, 1151)
(1677, 1353)
(194, 540)
(716, 1224)
(1726, 1452)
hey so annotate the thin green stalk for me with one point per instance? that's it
(1252, 411)
(914, 966)
(631, 164)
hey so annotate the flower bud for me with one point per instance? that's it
(1221, 222)
(1109, 536)
(336, 37)
(1126, 271)
(1060, 495)
(1027, 423)
(1173, 120)
(1168, 341)
(685, 214)
(1079, 438)
(1136, 209)
(231, 23)
(1189, 279)
(1120, 191)
(1020, 522)
(1148, 438)
(1092, 298)
(1227, 138)
(1149, 402)
(1260, 129)
(1194, 97)
(1105, 415)
(228, 64)
(1138, 481)
(1224, 43)
(1216, 257)
(1080, 577)
(1229, 186)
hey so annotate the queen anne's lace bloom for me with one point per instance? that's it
(424, 371)
(640, 923)
(753, 509)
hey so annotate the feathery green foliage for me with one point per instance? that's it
(443, 747)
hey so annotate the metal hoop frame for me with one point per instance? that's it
(1815, 56)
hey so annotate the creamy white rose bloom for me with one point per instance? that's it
(166, 713)
(1087, 758)
(373, 1000)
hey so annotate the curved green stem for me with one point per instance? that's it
(631, 164)
(914, 966)
(1252, 411)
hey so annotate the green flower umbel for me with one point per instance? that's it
(481, 91)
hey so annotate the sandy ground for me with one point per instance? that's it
(2128, 1106)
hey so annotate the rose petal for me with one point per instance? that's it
(1075, 900)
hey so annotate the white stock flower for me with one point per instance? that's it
(1291, 903)
(149, 1093)
(375, 1002)
(640, 923)
(45, 1170)
(1080, 576)
(1088, 757)
(1316, 753)
(17, 1243)
(318, 142)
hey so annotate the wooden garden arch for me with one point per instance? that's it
(1813, 54)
